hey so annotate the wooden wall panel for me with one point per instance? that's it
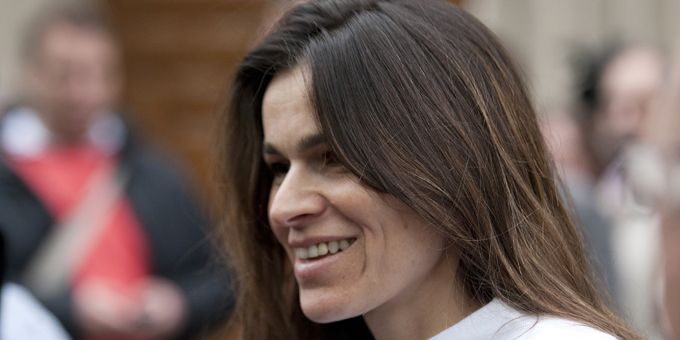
(179, 56)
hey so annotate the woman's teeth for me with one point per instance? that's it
(322, 249)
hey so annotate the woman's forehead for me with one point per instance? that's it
(284, 88)
(287, 113)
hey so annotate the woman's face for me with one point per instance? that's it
(353, 250)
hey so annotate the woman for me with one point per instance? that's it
(386, 178)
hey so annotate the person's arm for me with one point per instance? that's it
(670, 236)
(209, 298)
(25, 223)
(662, 135)
(670, 213)
(179, 237)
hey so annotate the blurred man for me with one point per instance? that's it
(565, 142)
(99, 227)
(627, 91)
(619, 98)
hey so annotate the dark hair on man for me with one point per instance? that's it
(80, 14)
(420, 101)
(589, 66)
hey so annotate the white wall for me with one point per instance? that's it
(542, 34)
(14, 15)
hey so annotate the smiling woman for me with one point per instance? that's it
(386, 178)
(353, 249)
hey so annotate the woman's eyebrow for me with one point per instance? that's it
(306, 143)
(310, 142)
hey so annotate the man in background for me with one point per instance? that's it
(618, 94)
(99, 227)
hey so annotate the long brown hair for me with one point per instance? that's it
(419, 100)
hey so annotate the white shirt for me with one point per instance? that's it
(498, 321)
(23, 133)
(23, 318)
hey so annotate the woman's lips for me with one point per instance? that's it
(314, 261)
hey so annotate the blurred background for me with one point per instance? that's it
(545, 36)
(178, 57)
(179, 54)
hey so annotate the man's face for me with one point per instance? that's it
(73, 77)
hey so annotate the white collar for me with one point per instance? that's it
(495, 320)
(23, 133)
(498, 321)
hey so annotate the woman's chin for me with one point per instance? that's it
(326, 311)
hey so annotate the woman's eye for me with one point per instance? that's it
(329, 159)
(278, 169)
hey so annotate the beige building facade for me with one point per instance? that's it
(543, 34)
(14, 16)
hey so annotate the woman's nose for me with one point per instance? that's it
(296, 200)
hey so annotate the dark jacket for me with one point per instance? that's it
(174, 227)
